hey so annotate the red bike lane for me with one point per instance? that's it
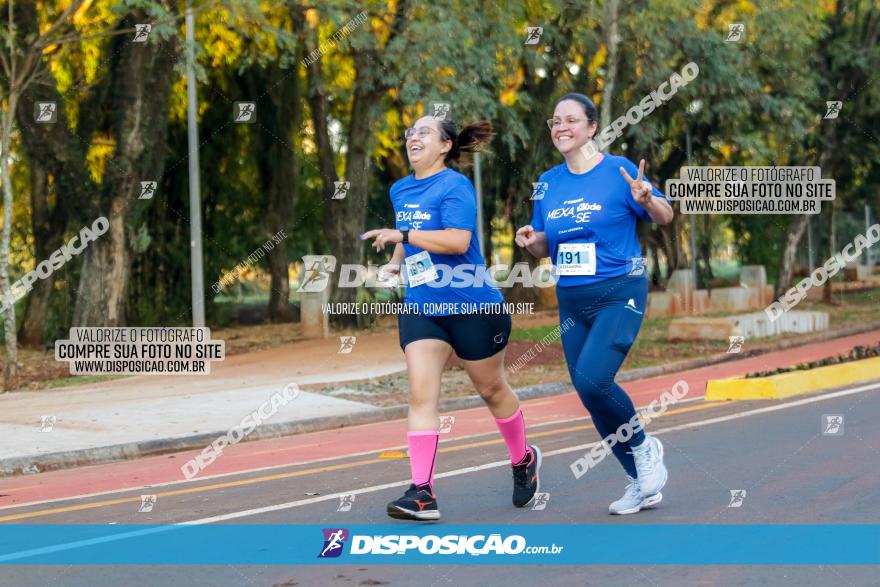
(376, 437)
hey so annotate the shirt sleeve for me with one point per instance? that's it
(458, 208)
(633, 171)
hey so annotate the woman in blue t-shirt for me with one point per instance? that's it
(451, 306)
(586, 223)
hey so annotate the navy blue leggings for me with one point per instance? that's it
(600, 322)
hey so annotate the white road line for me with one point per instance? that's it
(374, 488)
(506, 462)
(584, 418)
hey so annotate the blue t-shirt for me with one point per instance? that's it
(444, 200)
(592, 207)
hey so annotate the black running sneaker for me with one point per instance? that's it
(418, 503)
(525, 478)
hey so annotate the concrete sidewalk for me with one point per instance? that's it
(144, 415)
(123, 418)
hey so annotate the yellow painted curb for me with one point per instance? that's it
(793, 383)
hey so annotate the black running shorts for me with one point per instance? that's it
(473, 337)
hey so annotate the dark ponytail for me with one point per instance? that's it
(471, 138)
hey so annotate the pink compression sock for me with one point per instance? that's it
(513, 429)
(422, 455)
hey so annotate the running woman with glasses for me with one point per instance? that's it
(435, 217)
(586, 223)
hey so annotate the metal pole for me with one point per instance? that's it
(478, 184)
(810, 244)
(693, 220)
(195, 213)
(867, 226)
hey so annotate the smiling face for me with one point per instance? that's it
(575, 130)
(423, 152)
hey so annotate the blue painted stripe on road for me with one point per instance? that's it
(262, 544)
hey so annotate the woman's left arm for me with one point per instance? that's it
(658, 209)
(642, 192)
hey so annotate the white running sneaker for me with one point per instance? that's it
(649, 466)
(632, 501)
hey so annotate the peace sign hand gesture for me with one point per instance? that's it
(640, 189)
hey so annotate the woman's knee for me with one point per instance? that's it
(592, 387)
(493, 389)
(423, 407)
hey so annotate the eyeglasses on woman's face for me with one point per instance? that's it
(420, 132)
(568, 121)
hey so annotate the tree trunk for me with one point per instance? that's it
(705, 249)
(832, 249)
(47, 238)
(10, 375)
(671, 242)
(653, 251)
(344, 219)
(793, 235)
(279, 115)
(529, 158)
(140, 85)
(612, 43)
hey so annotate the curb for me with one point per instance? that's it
(793, 383)
(92, 456)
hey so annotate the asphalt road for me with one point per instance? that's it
(774, 450)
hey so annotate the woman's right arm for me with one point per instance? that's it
(534, 242)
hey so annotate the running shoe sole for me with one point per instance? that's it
(400, 513)
(646, 504)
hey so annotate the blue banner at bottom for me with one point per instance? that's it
(248, 544)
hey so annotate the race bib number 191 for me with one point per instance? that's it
(576, 259)
(420, 269)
